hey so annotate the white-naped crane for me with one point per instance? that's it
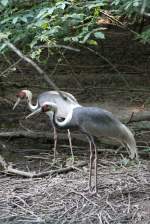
(64, 107)
(93, 122)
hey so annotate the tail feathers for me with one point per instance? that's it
(129, 140)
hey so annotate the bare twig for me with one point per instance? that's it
(10, 67)
(74, 74)
(59, 46)
(39, 134)
(40, 71)
(82, 195)
(130, 118)
(109, 62)
(120, 24)
(8, 169)
(129, 203)
(143, 7)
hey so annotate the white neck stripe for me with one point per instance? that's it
(68, 118)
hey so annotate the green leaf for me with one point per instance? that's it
(33, 43)
(147, 149)
(4, 35)
(2, 46)
(90, 6)
(99, 35)
(85, 29)
(67, 38)
(62, 4)
(15, 20)
(4, 2)
(24, 19)
(136, 3)
(45, 12)
(86, 37)
(92, 42)
(53, 30)
(74, 16)
(75, 39)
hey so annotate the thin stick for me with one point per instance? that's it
(118, 23)
(59, 46)
(8, 169)
(109, 62)
(11, 66)
(30, 61)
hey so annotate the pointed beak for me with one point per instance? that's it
(34, 112)
(17, 102)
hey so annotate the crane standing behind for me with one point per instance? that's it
(64, 108)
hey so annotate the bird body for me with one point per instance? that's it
(97, 122)
(64, 107)
(94, 122)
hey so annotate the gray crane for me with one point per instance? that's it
(93, 122)
(64, 108)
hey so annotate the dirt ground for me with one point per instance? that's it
(123, 185)
(123, 196)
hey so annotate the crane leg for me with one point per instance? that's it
(70, 144)
(55, 142)
(90, 171)
(93, 159)
(91, 163)
(95, 163)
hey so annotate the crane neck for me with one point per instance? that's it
(61, 124)
(30, 105)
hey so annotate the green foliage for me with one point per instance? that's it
(134, 11)
(35, 24)
(50, 22)
(131, 7)
(147, 149)
(144, 36)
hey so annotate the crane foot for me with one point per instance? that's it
(90, 190)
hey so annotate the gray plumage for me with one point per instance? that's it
(64, 105)
(94, 122)
(97, 122)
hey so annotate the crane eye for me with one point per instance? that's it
(45, 108)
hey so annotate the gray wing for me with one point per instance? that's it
(97, 122)
(64, 106)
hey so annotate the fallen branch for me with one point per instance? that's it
(8, 169)
(140, 116)
(61, 170)
(48, 135)
(61, 136)
(38, 134)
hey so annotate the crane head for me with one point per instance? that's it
(46, 107)
(21, 95)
